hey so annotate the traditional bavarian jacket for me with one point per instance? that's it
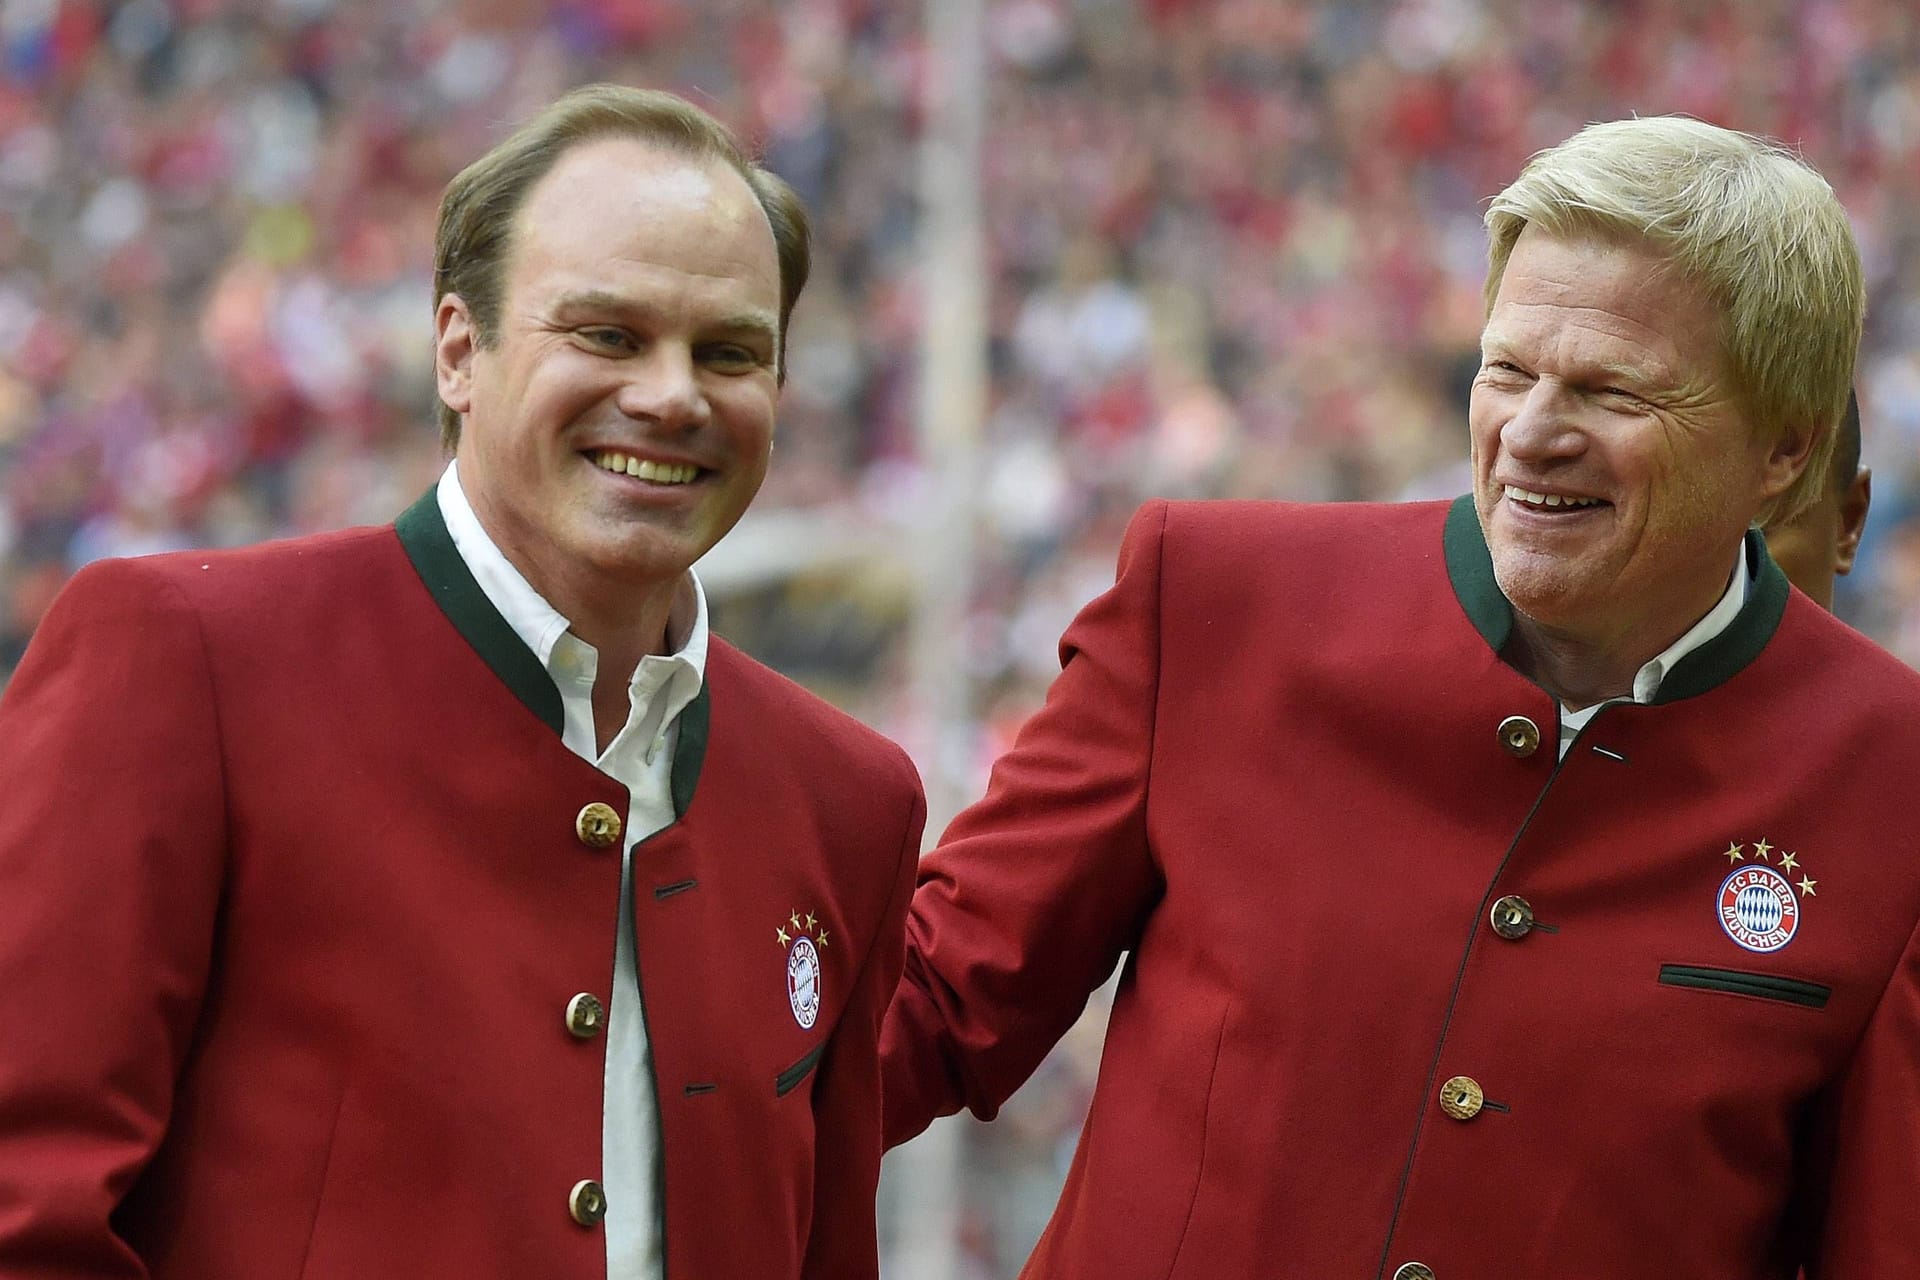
(300, 890)
(1405, 995)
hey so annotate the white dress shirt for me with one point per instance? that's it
(640, 757)
(1646, 681)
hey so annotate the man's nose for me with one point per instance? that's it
(662, 386)
(1546, 425)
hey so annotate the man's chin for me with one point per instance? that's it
(646, 549)
(641, 567)
(1546, 589)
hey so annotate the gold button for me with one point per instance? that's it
(597, 826)
(1413, 1271)
(1512, 917)
(587, 1202)
(1462, 1097)
(586, 1015)
(1520, 736)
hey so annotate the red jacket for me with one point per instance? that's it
(292, 908)
(1278, 775)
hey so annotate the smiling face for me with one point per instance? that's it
(1614, 470)
(621, 418)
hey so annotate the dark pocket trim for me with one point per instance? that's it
(788, 1080)
(1763, 985)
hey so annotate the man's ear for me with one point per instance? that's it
(1853, 520)
(1787, 459)
(453, 347)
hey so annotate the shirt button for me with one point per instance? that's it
(586, 1015)
(597, 825)
(587, 1202)
(1413, 1271)
(1512, 917)
(1520, 736)
(1462, 1097)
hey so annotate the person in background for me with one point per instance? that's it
(443, 899)
(1510, 887)
(1819, 544)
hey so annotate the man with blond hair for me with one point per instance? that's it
(1515, 888)
(443, 900)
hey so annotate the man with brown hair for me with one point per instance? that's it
(1819, 543)
(443, 899)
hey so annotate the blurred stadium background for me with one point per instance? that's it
(1070, 254)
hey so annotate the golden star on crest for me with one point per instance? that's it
(1806, 887)
(1761, 850)
(1733, 854)
(1788, 861)
(799, 926)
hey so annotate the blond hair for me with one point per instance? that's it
(477, 212)
(1745, 218)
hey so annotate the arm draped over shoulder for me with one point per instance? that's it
(1037, 890)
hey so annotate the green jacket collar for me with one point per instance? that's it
(1470, 569)
(423, 534)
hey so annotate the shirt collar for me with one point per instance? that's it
(1469, 569)
(540, 626)
(1646, 682)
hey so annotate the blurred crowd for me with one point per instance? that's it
(1235, 249)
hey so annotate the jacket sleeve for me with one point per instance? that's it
(1036, 890)
(843, 1239)
(111, 852)
(1868, 1149)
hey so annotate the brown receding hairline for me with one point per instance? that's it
(477, 213)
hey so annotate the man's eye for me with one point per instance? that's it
(728, 356)
(607, 336)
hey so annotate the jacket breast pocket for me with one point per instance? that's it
(1740, 982)
(790, 1079)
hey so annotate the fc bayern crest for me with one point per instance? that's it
(1758, 906)
(1758, 909)
(803, 982)
(803, 946)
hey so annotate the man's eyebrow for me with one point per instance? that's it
(745, 324)
(592, 300)
(1607, 371)
(1495, 346)
(750, 324)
